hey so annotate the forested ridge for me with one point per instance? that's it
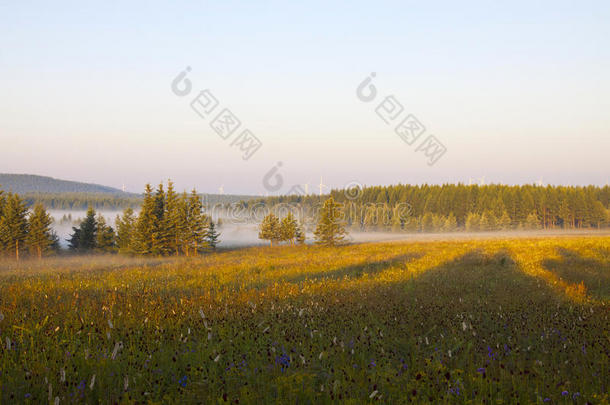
(30, 183)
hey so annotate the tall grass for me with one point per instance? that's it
(454, 321)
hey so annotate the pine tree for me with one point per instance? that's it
(125, 227)
(160, 237)
(427, 223)
(504, 222)
(269, 229)
(331, 229)
(3, 240)
(84, 237)
(173, 222)
(437, 222)
(40, 238)
(300, 234)
(104, 236)
(450, 224)
(212, 236)
(144, 227)
(487, 221)
(288, 229)
(14, 225)
(472, 222)
(532, 221)
(197, 225)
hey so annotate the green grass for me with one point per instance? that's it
(455, 322)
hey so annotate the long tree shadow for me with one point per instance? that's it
(479, 313)
(356, 270)
(575, 268)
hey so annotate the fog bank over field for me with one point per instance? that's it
(234, 235)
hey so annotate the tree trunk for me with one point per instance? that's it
(17, 250)
(39, 252)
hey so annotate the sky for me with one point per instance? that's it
(511, 93)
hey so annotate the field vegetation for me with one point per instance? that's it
(502, 321)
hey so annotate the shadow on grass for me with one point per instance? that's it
(356, 270)
(575, 268)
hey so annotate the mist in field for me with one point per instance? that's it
(235, 235)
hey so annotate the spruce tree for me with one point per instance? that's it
(472, 222)
(104, 236)
(125, 227)
(300, 234)
(331, 229)
(427, 223)
(144, 228)
(3, 242)
(14, 225)
(40, 238)
(84, 238)
(173, 222)
(197, 225)
(160, 236)
(288, 229)
(450, 224)
(532, 221)
(269, 229)
(212, 236)
(504, 223)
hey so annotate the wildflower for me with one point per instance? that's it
(217, 358)
(564, 393)
(481, 370)
(182, 381)
(373, 394)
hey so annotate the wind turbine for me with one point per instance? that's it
(539, 182)
(221, 189)
(482, 180)
(306, 188)
(470, 181)
(321, 186)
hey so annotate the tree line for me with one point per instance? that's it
(24, 231)
(330, 230)
(455, 207)
(168, 224)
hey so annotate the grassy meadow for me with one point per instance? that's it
(480, 321)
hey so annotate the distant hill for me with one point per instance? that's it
(29, 183)
(67, 195)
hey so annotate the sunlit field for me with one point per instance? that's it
(497, 321)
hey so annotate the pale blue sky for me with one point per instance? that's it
(515, 92)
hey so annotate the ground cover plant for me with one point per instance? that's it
(481, 321)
